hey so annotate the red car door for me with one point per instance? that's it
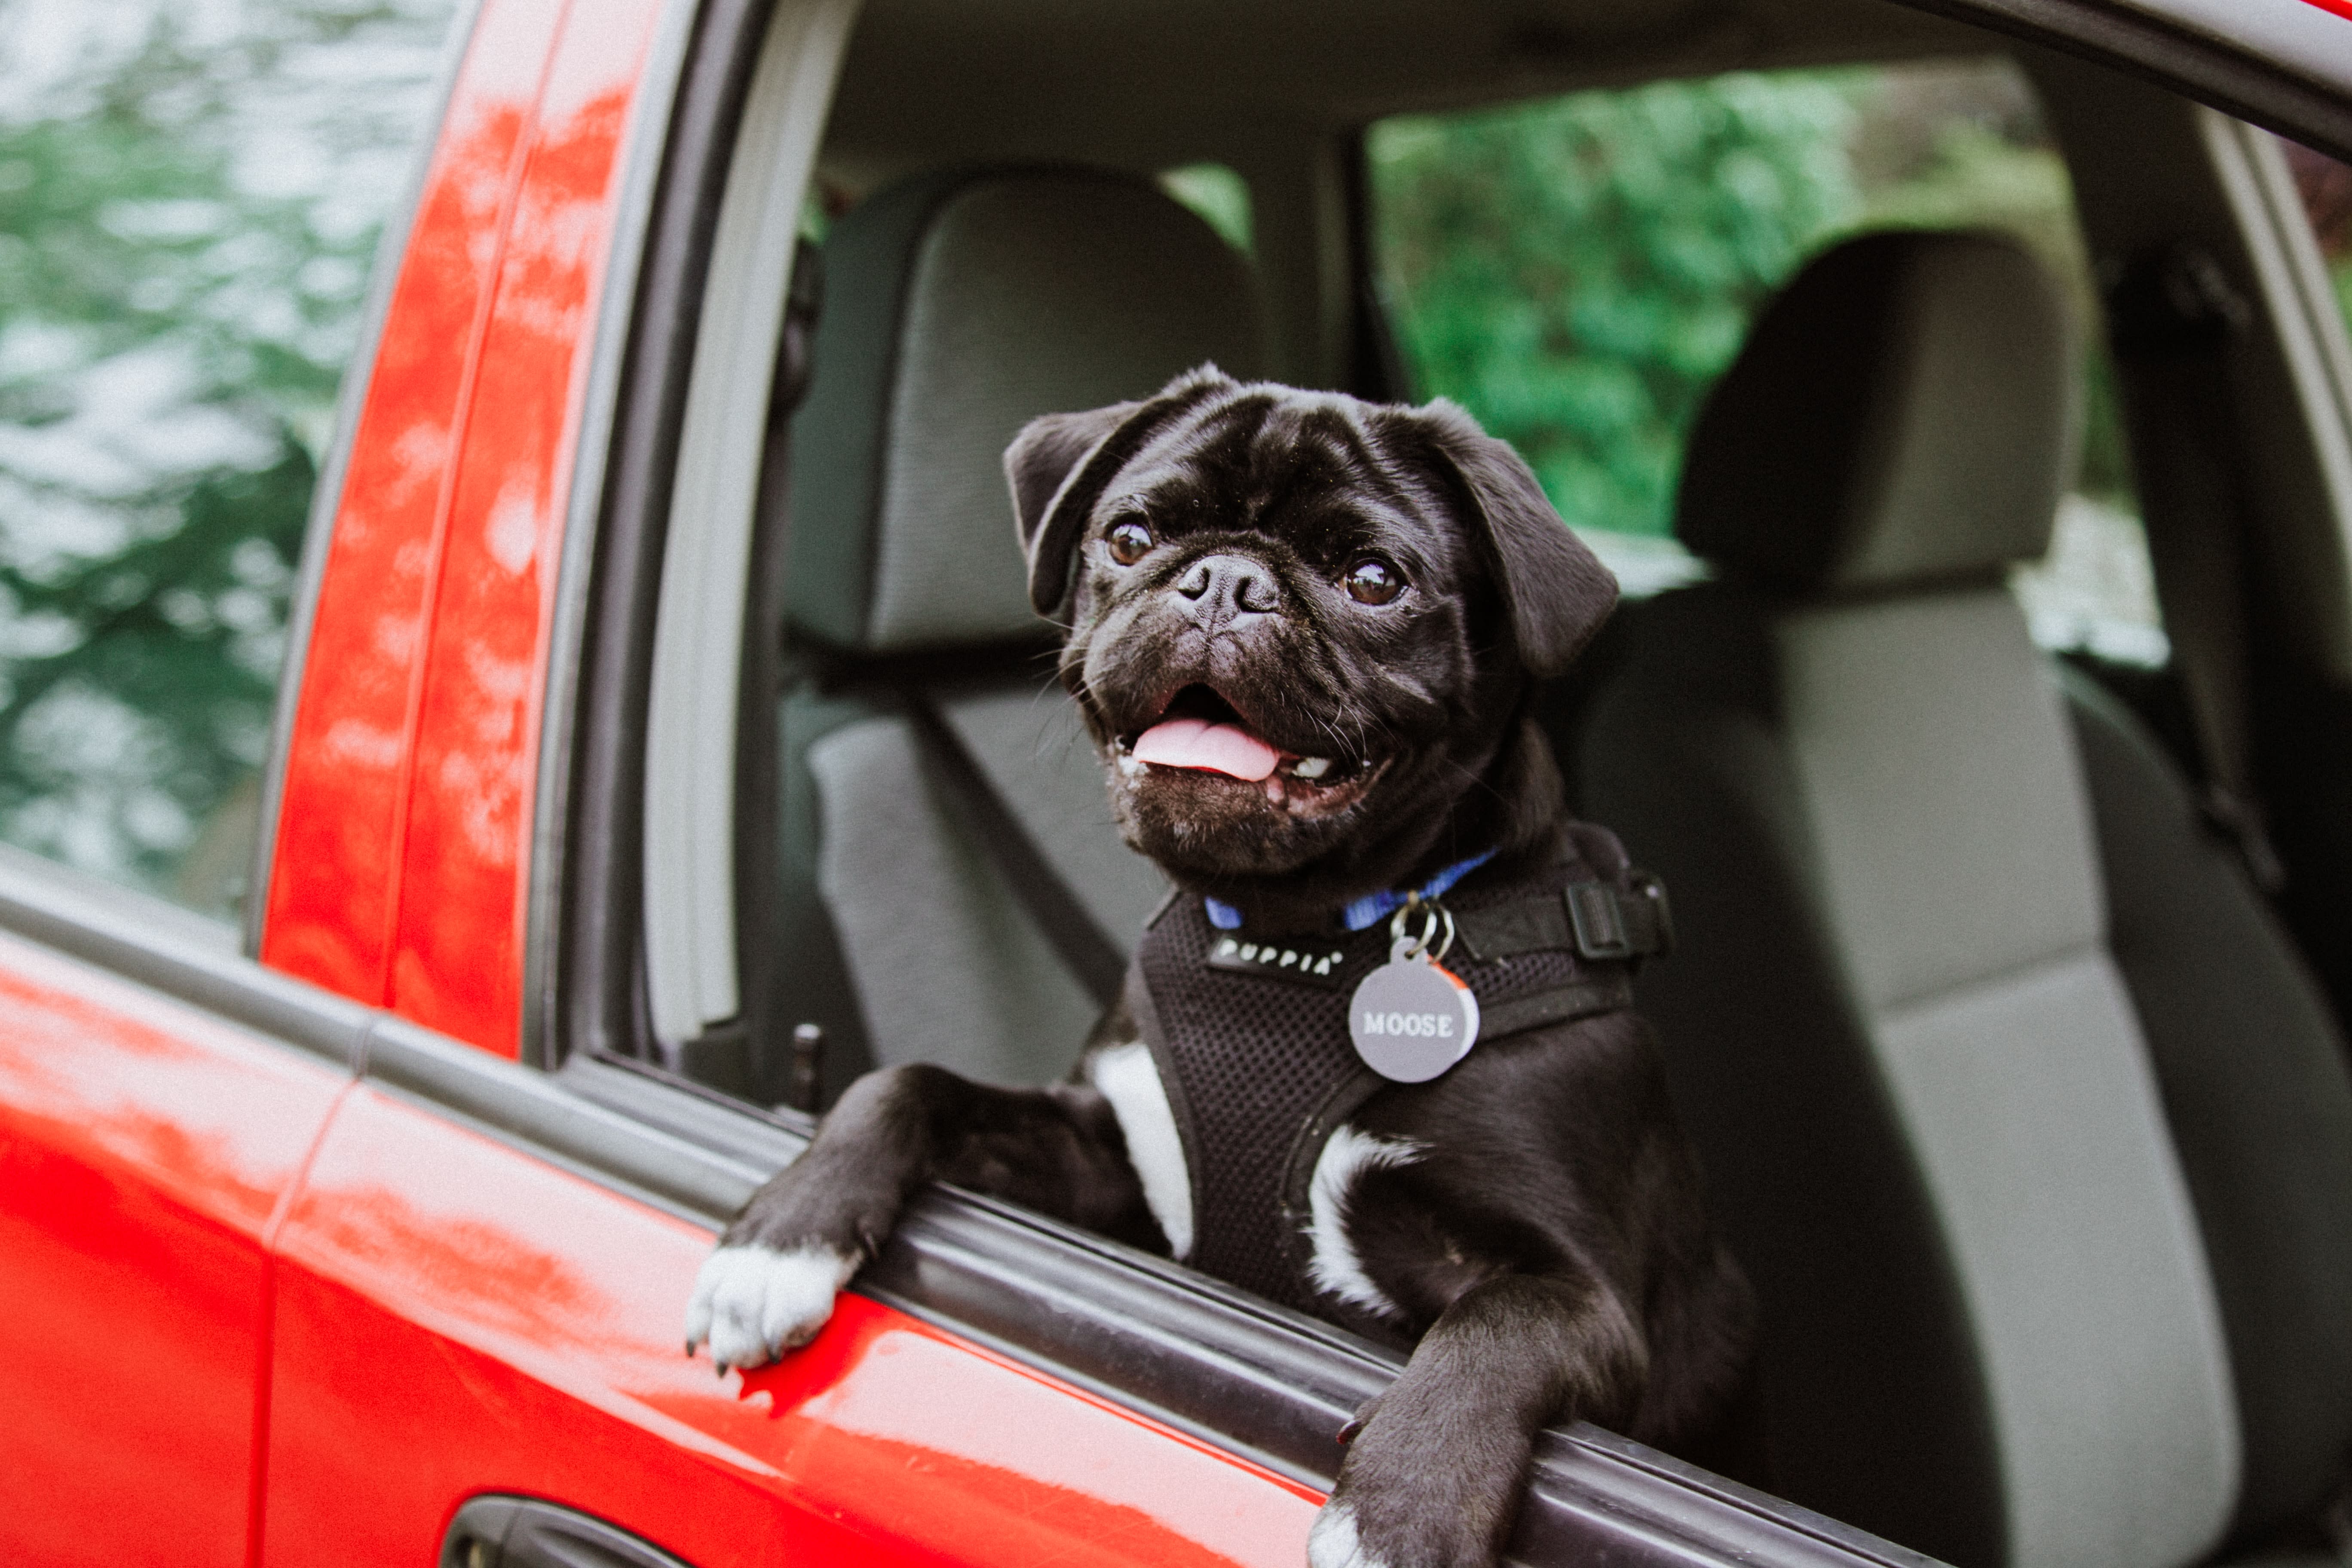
(456, 1313)
(151, 1148)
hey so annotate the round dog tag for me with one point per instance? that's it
(1410, 1018)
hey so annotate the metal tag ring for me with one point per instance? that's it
(1435, 918)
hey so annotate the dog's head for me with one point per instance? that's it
(1302, 627)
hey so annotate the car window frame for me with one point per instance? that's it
(586, 973)
(1251, 1378)
(2282, 65)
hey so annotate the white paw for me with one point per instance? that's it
(753, 1303)
(1332, 1542)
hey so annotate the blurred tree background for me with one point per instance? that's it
(190, 198)
(1577, 272)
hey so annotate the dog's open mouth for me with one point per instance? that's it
(1200, 731)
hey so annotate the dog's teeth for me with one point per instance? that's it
(1311, 767)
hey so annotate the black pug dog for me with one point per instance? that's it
(1304, 632)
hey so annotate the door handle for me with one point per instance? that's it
(498, 1531)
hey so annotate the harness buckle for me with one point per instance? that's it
(1621, 926)
(1602, 933)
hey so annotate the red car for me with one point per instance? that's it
(351, 1203)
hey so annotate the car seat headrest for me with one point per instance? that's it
(1904, 412)
(958, 308)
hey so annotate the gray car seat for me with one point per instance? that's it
(956, 308)
(2034, 1133)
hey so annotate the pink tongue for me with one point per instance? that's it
(1216, 748)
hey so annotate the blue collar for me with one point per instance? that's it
(1367, 911)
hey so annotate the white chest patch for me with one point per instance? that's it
(1338, 1269)
(1126, 1076)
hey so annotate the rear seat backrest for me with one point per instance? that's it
(1917, 1075)
(958, 308)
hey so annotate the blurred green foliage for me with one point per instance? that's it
(1577, 271)
(1219, 196)
(189, 200)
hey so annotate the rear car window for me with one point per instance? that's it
(190, 201)
(1577, 271)
(2325, 186)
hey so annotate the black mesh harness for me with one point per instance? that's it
(1250, 1032)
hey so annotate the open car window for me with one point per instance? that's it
(2326, 188)
(1589, 343)
(1577, 272)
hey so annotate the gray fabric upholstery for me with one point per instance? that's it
(1961, 885)
(1945, 804)
(1902, 412)
(2252, 1069)
(959, 306)
(2030, 1102)
(1877, 1409)
(946, 965)
(1960, 1062)
(1911, 1059)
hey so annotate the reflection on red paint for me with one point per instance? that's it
(522, 1332)
(144, 1148)
(333, 883)
(458, 948)
(402, 860)
(907, 1402)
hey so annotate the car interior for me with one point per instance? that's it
(2007, 1010)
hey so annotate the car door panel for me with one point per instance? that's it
(344, 777)
(457, 959)
(490, 1321)
(405, 806)
(148, 1146)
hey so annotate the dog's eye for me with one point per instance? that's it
(1129, 542)
(1373, 581)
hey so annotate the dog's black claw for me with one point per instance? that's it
(1348, 1433)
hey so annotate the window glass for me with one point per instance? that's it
(1219, 194)
(190, 198)
(1577, 272)
(2327, 189)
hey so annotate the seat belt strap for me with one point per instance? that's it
(2175, 314)
(980, 813)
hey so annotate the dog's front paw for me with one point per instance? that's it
(1335, 1542)
(1403, 1502)
(752, 1303)
(1402, 1528)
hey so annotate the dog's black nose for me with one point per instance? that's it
(1227, 588)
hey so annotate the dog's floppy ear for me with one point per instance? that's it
(1058, 466)
(1558, 590)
